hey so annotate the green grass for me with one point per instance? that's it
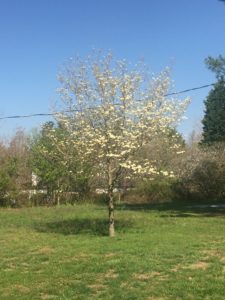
(159, 252)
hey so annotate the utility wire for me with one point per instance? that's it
(192, 89)
(67, 111)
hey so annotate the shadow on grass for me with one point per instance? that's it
(182, 210)
(82, 226)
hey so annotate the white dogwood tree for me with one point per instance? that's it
(111, 111)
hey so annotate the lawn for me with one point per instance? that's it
(159, 252)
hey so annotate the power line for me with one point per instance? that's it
(67, 111)
(192, 89)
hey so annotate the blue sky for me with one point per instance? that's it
(37, 36)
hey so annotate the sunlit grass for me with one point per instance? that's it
(158, 253)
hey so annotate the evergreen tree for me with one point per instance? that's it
(216, 65)
(214, 119)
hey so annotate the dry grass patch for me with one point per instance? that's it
(147, 276)
(222, 259)
(45, 250)
(76, 258)
(24, 264)
(142, 276)
(110, 254)
(47, 297)
(20, 288)
(96, 286)
(210, 253)
(156, 298)
(124, 284)
(215, 253)
(201, 265)
(5, 292)
(176, 268)
(10, 267)
(111, 274)
(8, 259)
(83, 257)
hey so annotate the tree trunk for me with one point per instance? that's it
(58, 199)
(111, 215)
(58, 194)
(110, 204)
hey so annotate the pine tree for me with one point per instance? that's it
(214, 119)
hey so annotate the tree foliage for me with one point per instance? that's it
(43, 161)
(216, 65)
(55, 167)
(202, 173)
(15, 174)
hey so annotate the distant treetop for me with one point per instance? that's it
(216, 65)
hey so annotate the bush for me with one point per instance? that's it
(203, 177)
(157, 191)
(205, 184)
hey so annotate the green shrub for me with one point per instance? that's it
(206, 183)
(156, 191)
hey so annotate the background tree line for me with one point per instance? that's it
(197, 168)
